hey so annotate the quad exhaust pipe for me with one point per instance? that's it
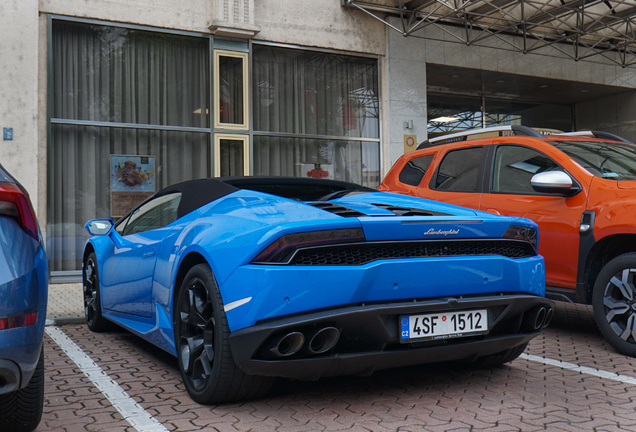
(316, 342)
(548, 316)
(537, 318)
(323, 340)
(285, 345)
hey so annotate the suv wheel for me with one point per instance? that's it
(21, 410)
(614, 302)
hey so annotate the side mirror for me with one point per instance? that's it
(99, 226)
(554, 182)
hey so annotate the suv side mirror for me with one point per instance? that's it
(554, 182)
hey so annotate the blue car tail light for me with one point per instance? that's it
(282, 249)
(522, 233)
(15, 204)
(18, 321)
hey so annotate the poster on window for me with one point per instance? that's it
(132, 181)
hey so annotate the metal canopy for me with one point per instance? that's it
(578, 29)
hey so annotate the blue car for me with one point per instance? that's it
(23, 297)
(246, 279)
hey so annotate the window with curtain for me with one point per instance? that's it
(231, 90)
(155, 84)
(299, 96)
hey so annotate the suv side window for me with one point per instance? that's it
(415, 169)
(155, 214)
(459, 171)
(515, 166)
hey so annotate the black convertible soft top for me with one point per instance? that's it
(197, 193)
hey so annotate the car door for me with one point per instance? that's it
(510, 193)
(128, 273)
(458, 178)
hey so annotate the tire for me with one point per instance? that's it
(499, 359)
(21, 410)
(614, 303)
(202, 338)
(92, 299)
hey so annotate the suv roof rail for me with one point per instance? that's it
(488, 132)
(597, 134)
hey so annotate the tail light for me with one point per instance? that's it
(18, 321)
(15, 203)
(526, 234)
(282, 249)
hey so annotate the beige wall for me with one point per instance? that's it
(192, 15)
(19, 91)
(615, 114)
(318, 23)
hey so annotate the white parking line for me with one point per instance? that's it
(582, 369)
(132, 412)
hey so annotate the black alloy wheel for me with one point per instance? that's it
(614, 303)
(203, 348)
(92, 302)
(196, 337)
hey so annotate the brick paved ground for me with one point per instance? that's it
(522, 396)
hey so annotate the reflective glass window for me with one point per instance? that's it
(317, 93)
(610, 161)
(154, 214)
(353, 161)
(515, 166)
(459, 170)
(415, 169)
(230, 89)
(114, 74)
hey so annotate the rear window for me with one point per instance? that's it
(415, 169)
(613, 161)
(5, 176)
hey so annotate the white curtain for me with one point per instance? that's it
(314, 93)
(110, 74)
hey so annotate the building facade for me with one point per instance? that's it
(105, 102)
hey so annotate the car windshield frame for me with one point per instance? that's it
(606, 160)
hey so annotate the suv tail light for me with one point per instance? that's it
(282, 249)
(15, 203)
(18, 321)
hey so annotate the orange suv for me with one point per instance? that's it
(579, 187)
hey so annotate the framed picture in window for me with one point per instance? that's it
(132, 180)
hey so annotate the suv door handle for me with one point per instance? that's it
(149, 252)
(493, 211)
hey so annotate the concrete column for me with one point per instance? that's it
(19, 92)
(405, 94)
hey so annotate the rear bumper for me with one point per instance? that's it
(369, 337)
(267, 292)
(20, 347)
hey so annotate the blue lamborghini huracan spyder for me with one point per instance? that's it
(246, 279)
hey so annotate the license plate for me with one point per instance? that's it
(444, 325)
